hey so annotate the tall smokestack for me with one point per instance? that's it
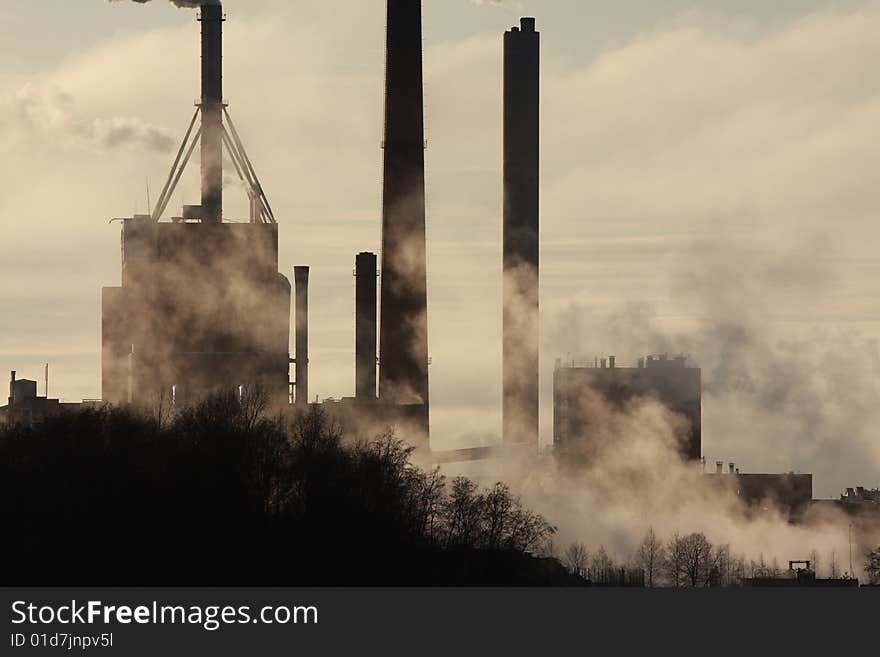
(522, 47)
(365, 326)
(212, 113)
(301, 281)
(403, 342)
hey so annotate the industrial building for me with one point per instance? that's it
(668, 380)
(25, 406)
(789, 492)
(522, 65)
(201, 305)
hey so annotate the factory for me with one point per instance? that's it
(203, 307)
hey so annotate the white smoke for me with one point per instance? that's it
(46, 115)
(181, 4)
(513, 4)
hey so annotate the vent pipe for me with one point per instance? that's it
(212, 19)
(301, 281)
(365, 326)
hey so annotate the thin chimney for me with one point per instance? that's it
(365, 326)
(212, 113)
(403, 339)
(522, 47)
(301, 281)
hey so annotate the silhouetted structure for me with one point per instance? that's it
(201, 305)
(800, 577)
(212, 113)
(403, 341)
(365, 326)
(669, 381)
(788, 492)
(25, 407)
(301, 284)
(521, 232)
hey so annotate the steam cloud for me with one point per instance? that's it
(810, 396)
(181, 4)
(48, 115)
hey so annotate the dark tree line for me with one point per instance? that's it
(221, 494)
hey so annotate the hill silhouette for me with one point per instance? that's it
(221, 494)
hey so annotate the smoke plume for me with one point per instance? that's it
(180, 4)
(47, 115)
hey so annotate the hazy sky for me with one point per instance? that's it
(711, 181)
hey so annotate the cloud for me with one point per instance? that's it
(44, 116)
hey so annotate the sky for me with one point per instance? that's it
(710, 176)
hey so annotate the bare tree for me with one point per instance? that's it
(461, 510)
(528, 531)
(601, 566)
(650, 557)
(576, 559)
(252, 405)
(833, 566)
(815, 560)
(721, 563)
(161, 409)
(737, 570)
(872, 565)
(498, 507)
(689, 560)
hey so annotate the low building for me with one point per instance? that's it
(788, 492)
(25, 407)
(668, 380)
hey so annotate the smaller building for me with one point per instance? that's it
(789, 492)
(671, 381)
(25, 407)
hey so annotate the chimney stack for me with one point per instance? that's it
(212, 113)
(365, 326)
(11, 388)
(301, 281)
(403, 339)
(522, 47)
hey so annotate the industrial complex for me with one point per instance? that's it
(202, 305)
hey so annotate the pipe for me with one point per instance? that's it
(301, 280)
(11, 388)
(212, 113)
(365, 326)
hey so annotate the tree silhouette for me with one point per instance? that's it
(221, 493)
